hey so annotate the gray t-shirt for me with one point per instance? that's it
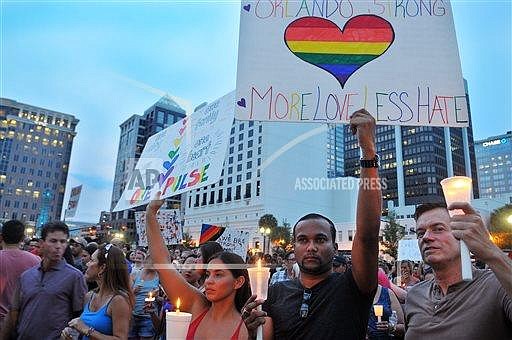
(477, 309)
(47, 300)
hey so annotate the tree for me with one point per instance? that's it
(501, 227)
(281, 237)
(268, 221)
(187, 240)
(392, 233)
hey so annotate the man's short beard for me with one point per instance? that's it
(322, 269)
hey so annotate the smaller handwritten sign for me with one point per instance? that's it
(408, 250)
(235, 241)
(170, 226)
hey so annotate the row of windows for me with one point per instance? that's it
(22, 216)
(41, 117)
(217, 196)
(31, 171)
(16, 204)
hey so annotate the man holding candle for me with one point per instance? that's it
(321, 304)
(448, 307)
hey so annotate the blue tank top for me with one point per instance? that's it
(385, 301)
(146, 286)
(99, 320)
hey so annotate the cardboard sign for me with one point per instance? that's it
(235, 241)
(319, 61)
(186, 156)
(170, 226)
(409, 250)
(74, 197)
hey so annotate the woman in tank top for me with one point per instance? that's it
(107, 309)
(215, 314)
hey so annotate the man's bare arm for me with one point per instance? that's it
(365, 248)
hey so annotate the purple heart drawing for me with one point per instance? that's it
(247, 7)
(241, 102)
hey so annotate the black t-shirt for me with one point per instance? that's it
(337, 309)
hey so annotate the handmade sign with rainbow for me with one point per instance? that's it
(322, 43)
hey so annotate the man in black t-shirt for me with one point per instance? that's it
(321, 304)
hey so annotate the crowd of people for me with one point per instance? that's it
(61, 288)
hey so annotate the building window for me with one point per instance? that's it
(238, 192)
(204, 199)
(239, 167)
(247, 190)
(228, 195)
(219, 198)
(249, 143)
(212, 197)
(238, 178)
(248, 175)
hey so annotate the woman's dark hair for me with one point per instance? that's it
(115, 276)
(128, 254)
(243, 293)
(209, 249)
(68, 256)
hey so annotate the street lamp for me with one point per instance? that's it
(509, 219)
(265, 232)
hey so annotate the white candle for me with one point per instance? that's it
(378, 310)
(177, 323)
(258, 278)
(458, 189)
(150, 297)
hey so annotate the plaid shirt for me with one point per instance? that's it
(281, 275)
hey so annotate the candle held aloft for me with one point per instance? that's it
(459, 189)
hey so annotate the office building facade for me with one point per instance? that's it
(135, 132)
(35, 146)
(494, 160)
(414, 160)
(335, 158)
(271, 168)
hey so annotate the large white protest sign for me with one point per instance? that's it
(409, 250)
(319, 61)
(235, 241)
(170, 226)
(187, 155)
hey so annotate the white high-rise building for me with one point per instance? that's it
(271, 168)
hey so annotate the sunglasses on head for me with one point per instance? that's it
(107, 248)
(304, 307)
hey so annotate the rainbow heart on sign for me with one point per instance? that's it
(322, 43)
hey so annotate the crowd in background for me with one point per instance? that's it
(147, 320)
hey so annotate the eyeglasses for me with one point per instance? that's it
(107, 248)
(436, 230)
(304, 307)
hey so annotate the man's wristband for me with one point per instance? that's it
(370, 163)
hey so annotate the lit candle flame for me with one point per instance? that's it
(178, 303)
